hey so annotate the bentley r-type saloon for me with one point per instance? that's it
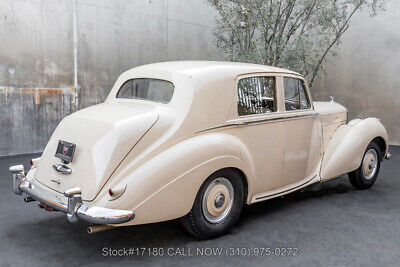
(197, 141)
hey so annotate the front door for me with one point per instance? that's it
(260, 129)
(301, 159)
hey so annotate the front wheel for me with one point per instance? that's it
(217, 205)
(365, 176)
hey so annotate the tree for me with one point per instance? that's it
(293, 34)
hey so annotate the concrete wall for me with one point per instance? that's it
(37, 60)
(37, 70)
(365, 75)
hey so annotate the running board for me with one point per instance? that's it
(284, 190)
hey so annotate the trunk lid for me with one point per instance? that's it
(103, 135)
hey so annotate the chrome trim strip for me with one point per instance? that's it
(287, 190)
(218, 127)
(245, 123)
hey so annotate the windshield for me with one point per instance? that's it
(147, 89)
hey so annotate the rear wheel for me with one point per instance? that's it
(217, 205)
(365, 176)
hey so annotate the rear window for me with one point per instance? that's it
(147, 89)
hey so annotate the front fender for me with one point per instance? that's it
(165, 187)
(348, 144)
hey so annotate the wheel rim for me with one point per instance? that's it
(217, 200)
(370, 164)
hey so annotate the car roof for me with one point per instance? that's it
(193, 68)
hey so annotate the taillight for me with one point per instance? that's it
(116, 191)
(34, 162)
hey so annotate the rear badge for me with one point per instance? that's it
(65, 151)
(57, 181)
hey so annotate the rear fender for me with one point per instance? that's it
(165, 187)
(348, 144)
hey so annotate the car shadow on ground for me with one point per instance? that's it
(54, 229)
(278, 204)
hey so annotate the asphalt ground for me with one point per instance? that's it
(331, 227)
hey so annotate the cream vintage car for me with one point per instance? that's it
(197, 140)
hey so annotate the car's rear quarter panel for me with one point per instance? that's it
(165, 187)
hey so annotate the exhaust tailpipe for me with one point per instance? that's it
(29, 199)
(98, 228)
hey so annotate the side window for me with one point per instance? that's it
(256, 95)
(295, 94)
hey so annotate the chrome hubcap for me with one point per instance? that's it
(217, 200)
(370, 164)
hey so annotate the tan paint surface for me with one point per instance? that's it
(198, 133)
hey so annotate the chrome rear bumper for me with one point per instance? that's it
(70, 202)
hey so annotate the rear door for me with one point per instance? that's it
(260, 128)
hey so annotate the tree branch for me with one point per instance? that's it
(339, 34)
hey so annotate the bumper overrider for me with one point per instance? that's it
(70, 202)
